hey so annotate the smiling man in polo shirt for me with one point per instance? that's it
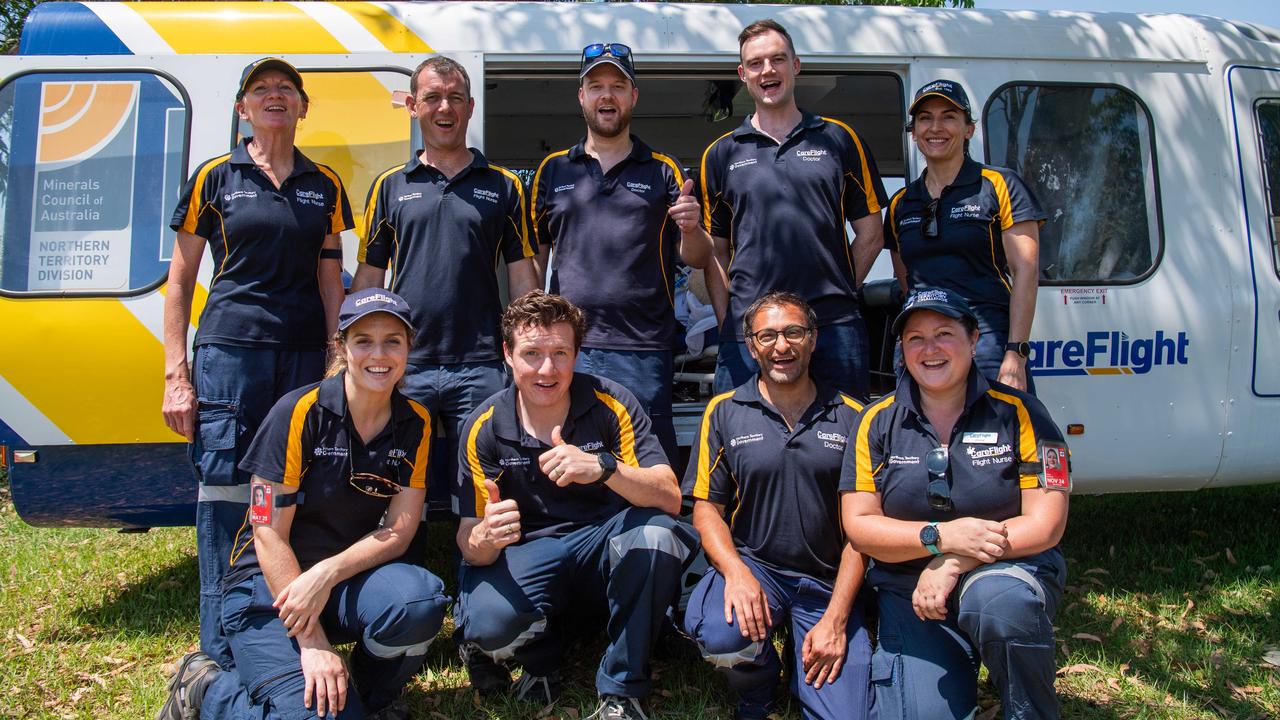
(439, 224)
(768, 458)
(617, 214)
(776, 194)
(568, 516)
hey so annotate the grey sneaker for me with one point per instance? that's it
(613, 707)
(543, 689)
(487, 677)
(187, 687)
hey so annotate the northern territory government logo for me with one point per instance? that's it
(1111, 352)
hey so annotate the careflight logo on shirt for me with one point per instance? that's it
(639, 187)
(310, 197)
(1111, 352)
(832, 440)
(996, 455)
(488, 195)
(593, 445)
(811, 155)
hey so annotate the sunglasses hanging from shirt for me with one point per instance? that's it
(370, 484)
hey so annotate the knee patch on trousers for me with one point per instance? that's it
(647, 537)
(724, 661)
(506, 652)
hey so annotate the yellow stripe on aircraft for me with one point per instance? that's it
(89, 366)
(237, 27)
(386, 27)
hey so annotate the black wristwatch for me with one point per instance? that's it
(608, 464)
(1022, 348)
(929, 538)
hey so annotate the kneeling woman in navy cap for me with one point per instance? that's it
(945, 488)
(339, 470)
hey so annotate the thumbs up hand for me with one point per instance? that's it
(686, 212)
(567, 464)
(501, 524)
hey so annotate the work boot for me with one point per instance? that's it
(187, 687)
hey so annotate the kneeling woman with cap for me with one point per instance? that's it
(970, 228)
(945, 489)
(341, 465)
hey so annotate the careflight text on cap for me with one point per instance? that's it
(615, 54)
(257, 67)
(938, 300)
(945, 89)
(369, 301)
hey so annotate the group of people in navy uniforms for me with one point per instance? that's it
(898, 544)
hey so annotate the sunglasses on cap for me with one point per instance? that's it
(618, 51)
(939, 488)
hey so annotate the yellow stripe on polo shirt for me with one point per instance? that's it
(868, 187)
(336, 224)
(865, 480)
(521, 222)
(702, 481)
(293, 448)
(1027, 451)
(626, 431)
(419, 477)
(533, 200)
(702, 180)
(473, 462)
(1002, 196)
(195, 206)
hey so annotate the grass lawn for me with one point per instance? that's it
(1171, 612)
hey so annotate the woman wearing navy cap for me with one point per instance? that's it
(971, 228)
(341, 466)
(271, 219)
(944, 487)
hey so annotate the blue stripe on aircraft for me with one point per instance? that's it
(68, 28)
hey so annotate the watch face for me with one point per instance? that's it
(929, 535)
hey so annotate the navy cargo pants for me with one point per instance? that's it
(754, 669)
(235, 388)
(628, 566)
(391, 612)
(1000, 615)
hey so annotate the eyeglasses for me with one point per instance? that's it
(931, 220)
(370, 484)
(939, 489)
(616, 50)
(793, 334)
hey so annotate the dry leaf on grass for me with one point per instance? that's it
(1097, 571)
(1078, 668)
(1231, 558)
(1115, 624)
(1272, 656)
(1087, 636)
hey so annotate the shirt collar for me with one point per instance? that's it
(748, 393)
(506, 420)
(908, 393)
(807, 121)
(301, 163)
(332, 396)
(970, 172)
(640, 151)
(478, 161)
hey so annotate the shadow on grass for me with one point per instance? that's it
(163, 603)
(1181, 588)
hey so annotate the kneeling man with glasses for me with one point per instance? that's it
(768, 454)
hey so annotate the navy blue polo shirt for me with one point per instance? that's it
(603, 417)
(308, 442)
(442, 238)
(266, 246)
(778, 485)
(968, 254)
(615, 246)
(998, 431)
(783, 209)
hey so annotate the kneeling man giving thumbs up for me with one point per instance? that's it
(567, 504)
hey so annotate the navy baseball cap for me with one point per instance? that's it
(257, 67)
(938, 300)
(369, 301)
(615, 54)
(947, 90)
